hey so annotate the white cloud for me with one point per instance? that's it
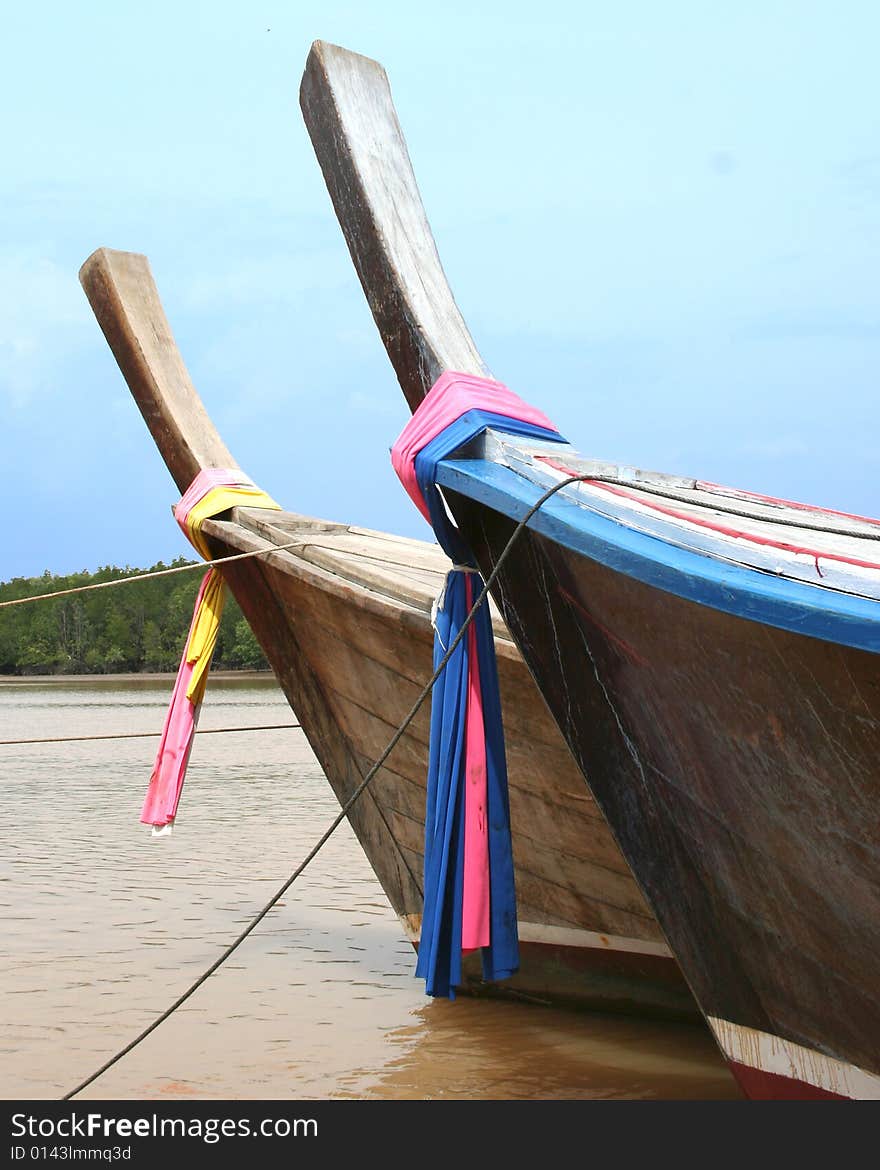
(282, 278)
(42, 309)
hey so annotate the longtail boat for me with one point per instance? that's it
(711, 655)
(343, 615)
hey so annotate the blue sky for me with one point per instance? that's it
(661, 222)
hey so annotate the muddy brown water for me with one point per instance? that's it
(104, 927)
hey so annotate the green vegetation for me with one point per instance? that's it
(137, 627)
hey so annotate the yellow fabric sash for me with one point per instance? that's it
(213, 491)
(206, 620)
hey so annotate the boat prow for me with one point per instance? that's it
(710, 655)
(343, 615)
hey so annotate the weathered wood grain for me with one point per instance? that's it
(347, 107)
(123, 295)
(344, 621)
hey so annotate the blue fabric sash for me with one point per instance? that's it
(440, 950)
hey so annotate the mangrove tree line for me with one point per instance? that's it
(137, 627)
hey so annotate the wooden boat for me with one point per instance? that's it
(712, 657)
(343, 615)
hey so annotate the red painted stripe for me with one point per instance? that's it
(767, 1086)
(708, 486)
(724, 529)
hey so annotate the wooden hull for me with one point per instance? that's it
(352, 660)
(711, 656)
(737, 765)
(343, 616)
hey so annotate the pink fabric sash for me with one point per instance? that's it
(475, 898)
(181, 719)
(451, 396)
(213, 490)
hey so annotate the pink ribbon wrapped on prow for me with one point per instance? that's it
(212, 491)
(451, 396)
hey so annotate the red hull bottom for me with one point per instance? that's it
(758, 1085)
(769, 1067)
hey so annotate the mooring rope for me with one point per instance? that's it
(344, 810)
(260, 552)
(142, 734)
(620, 481)
(680, 495)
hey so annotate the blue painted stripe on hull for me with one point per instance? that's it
(829, 615)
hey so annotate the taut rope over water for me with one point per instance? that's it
(260, 552)
(141, 734)
(344, 810)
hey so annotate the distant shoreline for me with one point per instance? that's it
(132, 677)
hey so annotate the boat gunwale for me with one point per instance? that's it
(831, 615)
(235, 534)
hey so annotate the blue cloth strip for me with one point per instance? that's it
(465, 428)
(439, 958)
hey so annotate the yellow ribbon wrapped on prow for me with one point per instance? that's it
(213, 491)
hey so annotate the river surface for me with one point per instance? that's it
(104, 927)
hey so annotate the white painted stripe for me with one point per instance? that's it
(641, 514)
(563, 936)
(772, 1054)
